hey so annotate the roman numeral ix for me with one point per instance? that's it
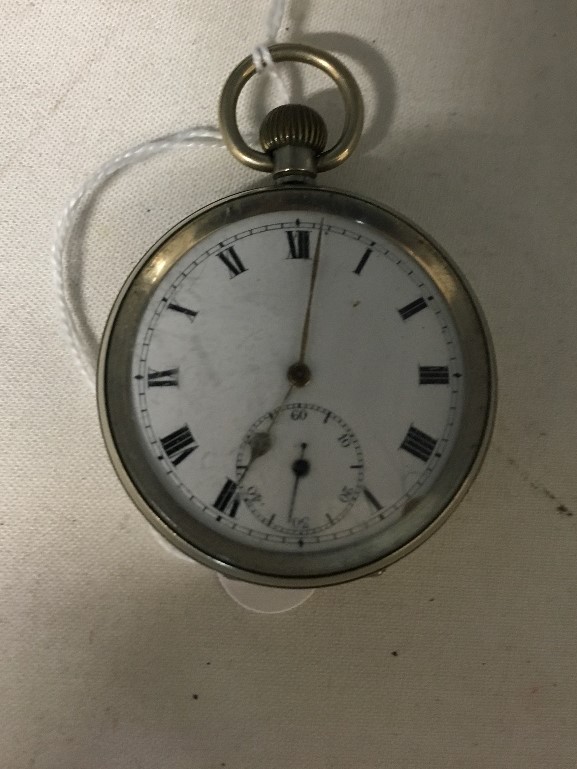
(168, 378)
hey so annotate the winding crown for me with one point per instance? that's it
(293, 125)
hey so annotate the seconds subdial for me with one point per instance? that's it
(310, 474)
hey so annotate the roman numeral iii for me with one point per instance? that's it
(430, 375)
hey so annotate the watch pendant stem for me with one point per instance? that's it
(294, 136)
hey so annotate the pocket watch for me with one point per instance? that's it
(296, 385)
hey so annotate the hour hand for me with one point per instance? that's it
(260, 443)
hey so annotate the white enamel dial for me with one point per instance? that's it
(345, 457)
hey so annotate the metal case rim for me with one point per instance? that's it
(418, 245)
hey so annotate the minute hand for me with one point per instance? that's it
(307, 321)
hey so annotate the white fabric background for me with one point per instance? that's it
(115, 654)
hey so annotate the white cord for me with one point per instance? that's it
(78, 340)
(76, 337)
(261, 56)
(274, 19)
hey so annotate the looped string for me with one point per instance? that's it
(78, 341)
(274, 19)
(264, 62)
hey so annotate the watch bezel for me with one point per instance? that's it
(120, 430)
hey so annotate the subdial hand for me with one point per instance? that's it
(300, 468)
